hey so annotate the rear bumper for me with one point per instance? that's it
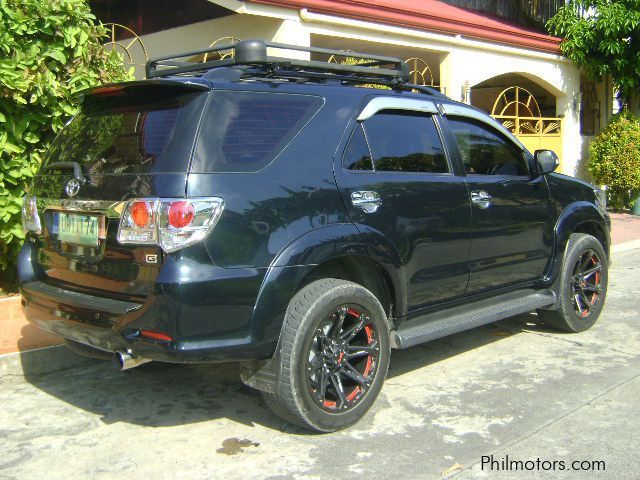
(206, 322)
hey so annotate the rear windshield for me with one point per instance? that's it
(144, 130)
(245, 131)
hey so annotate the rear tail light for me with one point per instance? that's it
(30, 218)
(141, 214)
(180, 214)
(132, 229)
(170, 223)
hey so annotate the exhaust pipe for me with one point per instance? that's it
(125, 361)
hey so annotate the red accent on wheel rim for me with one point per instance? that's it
(342, 359)
(585, 283)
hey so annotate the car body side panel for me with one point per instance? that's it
(575, 204)
(422, 227)
(513, 237)
(266, 210)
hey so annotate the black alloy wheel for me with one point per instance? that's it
(343, 358)
(333, 357)
(582, 286)
(586, 283)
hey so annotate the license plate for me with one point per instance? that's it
(80, 229)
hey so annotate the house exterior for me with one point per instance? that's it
(493, 55)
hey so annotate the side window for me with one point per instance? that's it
(405, 142)
(245, 131)
(486, 152)
(357, 155)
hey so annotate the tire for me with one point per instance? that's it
(334, 356)
(584, 254)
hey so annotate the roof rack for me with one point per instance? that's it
(424, 89)
(371, 69)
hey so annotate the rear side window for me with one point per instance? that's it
(356, 155)
(143, 130)
(405, 142)
(245, 131)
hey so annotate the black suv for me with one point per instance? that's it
(274, 212)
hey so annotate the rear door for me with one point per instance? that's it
(131, 141)
(511, 209)
(395, 178)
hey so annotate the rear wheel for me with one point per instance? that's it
(583, 286)
(334, 356)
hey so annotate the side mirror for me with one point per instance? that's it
(547, 161)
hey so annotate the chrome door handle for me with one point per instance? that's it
(368, 200)
(481, 198)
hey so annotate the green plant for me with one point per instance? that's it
(49, 51)
(603, 38)
(614, 160)
(358, 61)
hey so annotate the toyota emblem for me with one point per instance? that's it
(72, 188)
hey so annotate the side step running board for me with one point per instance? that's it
(457, 319)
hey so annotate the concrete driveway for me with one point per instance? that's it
(509, 389)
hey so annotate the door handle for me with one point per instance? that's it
(481, 198)
(368, 200)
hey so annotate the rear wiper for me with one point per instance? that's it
(77, 169)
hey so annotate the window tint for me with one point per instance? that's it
(486, 152)
(244, 131)
(356, 155)
(405, 142)
(133, 133)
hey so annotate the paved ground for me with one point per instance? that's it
(624, 228)
(512, 388)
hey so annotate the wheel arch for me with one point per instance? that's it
(596, 230)
(363, 271)
(579, 217)
(336, 251)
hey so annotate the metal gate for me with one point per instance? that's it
(518, 110)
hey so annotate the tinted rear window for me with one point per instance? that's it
(144, 131)
(245, 131)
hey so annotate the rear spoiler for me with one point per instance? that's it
(179, 86)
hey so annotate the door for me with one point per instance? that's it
(396, 179)
(132, 141)
(510, 209)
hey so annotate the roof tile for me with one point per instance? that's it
(430, 15)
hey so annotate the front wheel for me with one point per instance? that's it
(583, 286)
(334, 356)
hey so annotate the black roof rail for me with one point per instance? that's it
(424, 89)
(371, 69)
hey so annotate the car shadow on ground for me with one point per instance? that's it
(171, 395)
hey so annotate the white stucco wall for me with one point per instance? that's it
(475, 62)
(202, 34)
(462, 60)
(560, 78)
